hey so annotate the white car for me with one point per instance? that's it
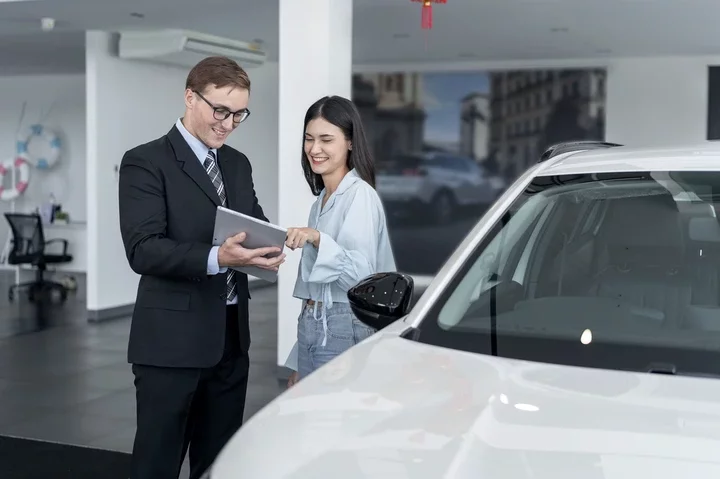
(434, 185)
(575, 333)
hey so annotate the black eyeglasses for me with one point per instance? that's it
(221, 113)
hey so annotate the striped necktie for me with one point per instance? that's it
(213, 172)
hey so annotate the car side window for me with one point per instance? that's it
(475, 169)
(460, 164)
(452, 163)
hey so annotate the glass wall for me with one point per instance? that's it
(447, 144)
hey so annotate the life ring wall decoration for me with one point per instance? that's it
(50, 138)
(22, 177)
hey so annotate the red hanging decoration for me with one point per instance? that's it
(427, 5)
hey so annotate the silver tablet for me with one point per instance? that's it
(259, 234)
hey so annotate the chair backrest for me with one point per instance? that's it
(28, 236)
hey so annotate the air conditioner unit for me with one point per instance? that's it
(185, 48)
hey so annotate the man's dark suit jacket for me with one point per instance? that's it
(167, 217)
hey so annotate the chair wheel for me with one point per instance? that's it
(11, 296)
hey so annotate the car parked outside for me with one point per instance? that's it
(434, 186)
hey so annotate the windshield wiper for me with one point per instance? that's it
(662, 368)
(670, 369)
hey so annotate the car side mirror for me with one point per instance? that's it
(381, 299)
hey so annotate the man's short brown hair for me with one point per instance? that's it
(218, 71)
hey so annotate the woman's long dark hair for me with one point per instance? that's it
(342, 113)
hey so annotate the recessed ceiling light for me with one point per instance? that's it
(47, 23)
(137, 15)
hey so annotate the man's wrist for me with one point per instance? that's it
(223, 261)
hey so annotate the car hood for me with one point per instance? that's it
(393, 408)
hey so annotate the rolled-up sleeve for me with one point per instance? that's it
(353, 256)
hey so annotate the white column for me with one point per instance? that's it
(315, 60)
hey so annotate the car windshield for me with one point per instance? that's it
(615, 271)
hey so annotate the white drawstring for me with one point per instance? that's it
(327, 303)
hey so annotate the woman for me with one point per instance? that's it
(346, 238)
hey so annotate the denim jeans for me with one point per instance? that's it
(344, 330)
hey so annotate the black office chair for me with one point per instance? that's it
(28, 247)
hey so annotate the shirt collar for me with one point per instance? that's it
(348, 180)
(197, 146)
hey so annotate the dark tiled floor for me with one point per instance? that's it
(68, 381)
(21, 316)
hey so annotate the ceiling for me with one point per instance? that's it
(385, 31)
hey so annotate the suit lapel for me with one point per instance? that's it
(191, 166)
(228, 169)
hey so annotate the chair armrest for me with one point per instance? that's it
(59, 240)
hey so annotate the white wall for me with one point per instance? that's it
(60, 100)
(657, 101)
(130, 103)
(257, 136)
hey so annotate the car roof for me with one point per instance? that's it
(698, 157)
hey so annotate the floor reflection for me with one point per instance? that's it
(21, 316)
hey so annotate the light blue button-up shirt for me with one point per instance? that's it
(354, 243)
(201, 151)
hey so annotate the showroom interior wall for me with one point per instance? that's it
(60, 101)
(130, 103)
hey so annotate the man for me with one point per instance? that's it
(190, 334)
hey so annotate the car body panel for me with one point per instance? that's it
(391, 407)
